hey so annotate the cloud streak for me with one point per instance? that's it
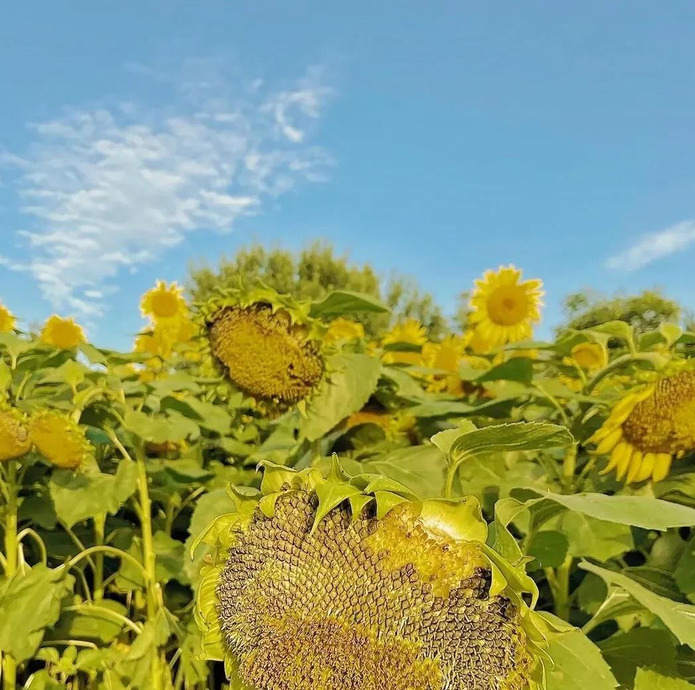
(655, 246)
(110, 188)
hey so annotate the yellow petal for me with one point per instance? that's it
(635, 466)
(661, 467)
(626, 461)
(609, 442)
(617, 456)
(647, 467)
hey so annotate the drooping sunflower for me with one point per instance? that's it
(7, 319)
(59, 439)
(343, 329)
(164, 302)
(648, 428)
(14, 437)
(64, 334)
(504, 308)
(410, 334)
(355, 584)
(266, 344)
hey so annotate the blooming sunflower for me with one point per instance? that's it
(59, 439)
(164, 302)
(266, 344)
(504, 308)
(445, 356)
(7, 319)
(343, 329)
(355, 584)
(648, 428)
(62, 333)
(14, 437)
(410, 333)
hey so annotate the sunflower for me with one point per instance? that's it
(266, 344)
(164, 302)
(504, 308)
(343, 329)
(589, 356)
(62, 333)
(14, 437)
(410, 333)
(334, 585)
(394, 424)
(445, 356)
(648, 428)
(7, 319)
(59, 439)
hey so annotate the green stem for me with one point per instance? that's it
(560, 586)
(11, 548)
(450, 477)
(99, 526)
(615, 364)
(569, 467)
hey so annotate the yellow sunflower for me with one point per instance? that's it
(394, 424)
(648, 428)
(59, 439)
(7, 319)
(14, 438)
(410, 333)
(164, 302)
(504, 308)
(343, 329)
(62, 333)
(445, 356)
(589, 356)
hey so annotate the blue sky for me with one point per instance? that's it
(435, 139)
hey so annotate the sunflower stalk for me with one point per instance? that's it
(99, 527)
(9, 665)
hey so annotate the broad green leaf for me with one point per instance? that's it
(159, 428)
(638, 511)
(591, 538)
(577, 664)
(616, 329)
(209, 416)
(548, 547)
(441, 408)
(406, 385)
(352, 380)
(677, 617)
(30, 603)
(461, 518)
(170, 558)
(651, 680)
(331, 494)
(342, 302)
(647, 647)
(100, 623)
(685, 570)
(77, 497)
(516, 369)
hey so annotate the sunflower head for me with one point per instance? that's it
(589, 356)
(59, 439)
(356, 584)
(62, 333)
(14, 436)
(445, 356)
(412, 335)
(504, 308)
(7, 319)
(164, 302)
(266, 344)
(649, 427)
(342, 329)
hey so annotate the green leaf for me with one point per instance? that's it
(685, 570)
(77, 497)
(577, 664)
(616, 329)
(591, 538)
(89, 622)
(516, 369)
(638, 511)
(677, 617)
(650, 680)
(548, 547)
(342, 302)
(352, 380)
(647, 647)
(170, 558)
(159, 428)
(330, 495)
(209, 416)
(461, 518)
(30, 603)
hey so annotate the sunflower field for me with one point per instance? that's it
(259, 496)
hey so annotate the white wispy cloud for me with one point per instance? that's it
(654, 246)
(106, 189)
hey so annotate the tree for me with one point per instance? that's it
(644, 312)
(313, 272)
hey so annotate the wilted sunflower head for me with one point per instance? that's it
(504, 308)
(14, 437)
(62, 333)
(355, 584)
(266, 344)
(648, 428)
(7, 319)
(59, 439)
